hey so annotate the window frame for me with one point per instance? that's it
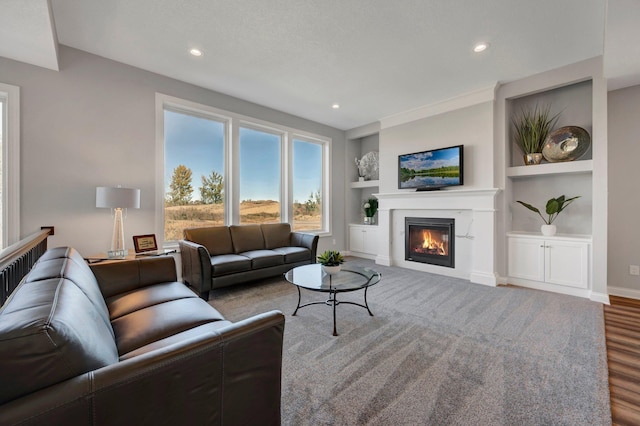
(10, 96)
(233, 123)
(325, 179)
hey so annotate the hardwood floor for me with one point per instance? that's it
(622, 333)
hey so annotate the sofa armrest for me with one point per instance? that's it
(196, 267)
(127, 275)
(303, 239)
(232, 376)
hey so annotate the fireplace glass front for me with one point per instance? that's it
(430, 240)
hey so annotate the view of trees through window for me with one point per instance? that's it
(194, 170)
(194, 182)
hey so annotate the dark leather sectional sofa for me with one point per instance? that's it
(124, 343)
(219, 256)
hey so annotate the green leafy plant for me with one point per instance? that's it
(553, 208)
(331, 258)
(532, 128)
(370, 207)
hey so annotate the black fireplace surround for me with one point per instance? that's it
(430, 240)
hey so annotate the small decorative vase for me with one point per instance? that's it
(548, 230)
(531, 159)
(369, 220)
(331, 269)
(360, 178)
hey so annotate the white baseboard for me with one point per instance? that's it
(600, 297)
(624, 292)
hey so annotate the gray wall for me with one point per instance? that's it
(471, 126)
(624, 196)
(93, 124)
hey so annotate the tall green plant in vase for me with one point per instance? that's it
(532, 126)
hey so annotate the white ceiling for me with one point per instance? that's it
(375, 58)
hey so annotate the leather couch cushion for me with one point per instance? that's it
(276, 235)
(294, 254)
(65, 262)
(192, 333)
(152, 323)
(264, 258)
(50, 332)
(217, 239)
(228, 264)
(122, 277)
(246, 238)
(126, 303)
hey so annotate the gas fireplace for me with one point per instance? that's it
(430, 240)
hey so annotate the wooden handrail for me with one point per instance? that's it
(18, 259)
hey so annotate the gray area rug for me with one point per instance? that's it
(439, 351)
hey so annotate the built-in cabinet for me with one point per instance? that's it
(363, 240)
(557, 260)
(559, 263)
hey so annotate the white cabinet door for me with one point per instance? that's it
(526, 258)
(363, 239)
(370, 240)
(356, 239)
(567, 263)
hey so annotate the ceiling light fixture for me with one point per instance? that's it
(196, 52)
(335, 106)
(480, 47)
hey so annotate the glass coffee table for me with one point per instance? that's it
(350, 278)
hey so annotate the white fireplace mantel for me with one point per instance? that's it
(481, 203)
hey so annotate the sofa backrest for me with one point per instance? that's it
(246, 238)
(54, 326)
(276, 235)
(217, 239)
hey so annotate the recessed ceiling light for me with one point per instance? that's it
(480, 47)
(335, 106)
(196, 52)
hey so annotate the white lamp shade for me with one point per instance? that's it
(109, 197)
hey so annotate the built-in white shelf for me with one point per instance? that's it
(365, 184)
(538, 235)
(580, 166)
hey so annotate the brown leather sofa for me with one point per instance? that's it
(219, 256)
(124, 343)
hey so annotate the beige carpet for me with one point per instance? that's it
(438, 351)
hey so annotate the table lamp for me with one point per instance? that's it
(117, 199)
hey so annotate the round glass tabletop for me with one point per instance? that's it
(350, 278)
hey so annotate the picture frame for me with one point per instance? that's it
(145, 243)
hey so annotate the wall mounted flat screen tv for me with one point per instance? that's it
(432, 169)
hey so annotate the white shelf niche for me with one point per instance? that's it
(584, 166)
(365, 184)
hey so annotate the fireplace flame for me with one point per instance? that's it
(432, 245)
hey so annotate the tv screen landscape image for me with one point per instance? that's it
(432, 169)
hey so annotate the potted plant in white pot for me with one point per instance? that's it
(532, 128)
(370, 208)
(331, 261)
(553, 208)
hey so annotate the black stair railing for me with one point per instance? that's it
(17, 260)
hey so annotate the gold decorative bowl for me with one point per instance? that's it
(566, 144)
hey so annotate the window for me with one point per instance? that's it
(308, 188)
(260, 176)
(216, 167)
(9, 165)
(194, 172)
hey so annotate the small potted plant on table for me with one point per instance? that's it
(331, 261)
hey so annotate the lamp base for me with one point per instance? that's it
(117, 254)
